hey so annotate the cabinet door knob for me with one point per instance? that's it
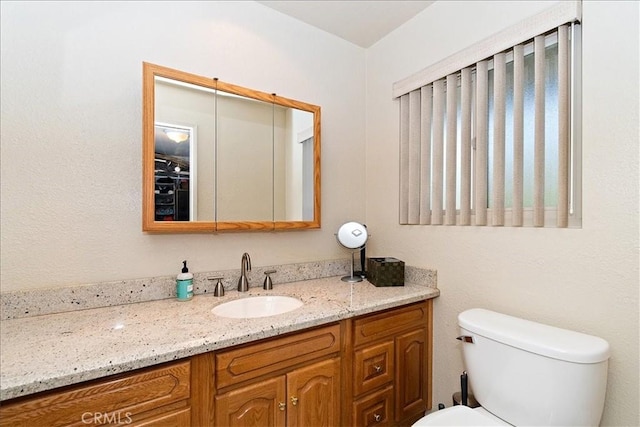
(294, 400)
(282, 406)
(377, 368)
(377, 417)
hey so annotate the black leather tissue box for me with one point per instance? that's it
(385, 271)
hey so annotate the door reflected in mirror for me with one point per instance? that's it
(174, 189)
(226, 157)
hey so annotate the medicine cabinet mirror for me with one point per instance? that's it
(221, 157)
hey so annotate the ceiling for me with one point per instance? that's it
(358, 21)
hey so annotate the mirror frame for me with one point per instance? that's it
(149, 224)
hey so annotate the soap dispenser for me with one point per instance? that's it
(184, 284)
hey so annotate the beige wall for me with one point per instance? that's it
(583, 279)
(72, 124)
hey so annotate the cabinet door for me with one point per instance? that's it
(259, 404)
(314, 395)
(411, 374)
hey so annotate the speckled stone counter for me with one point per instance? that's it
(48, 351)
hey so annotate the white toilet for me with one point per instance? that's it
(527, 374)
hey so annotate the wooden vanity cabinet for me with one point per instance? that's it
(152, 397)
(288, 381)
(391, 366)
(373, 370)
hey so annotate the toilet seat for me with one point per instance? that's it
(460, 416)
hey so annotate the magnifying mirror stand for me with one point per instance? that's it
(352, 278)
(353, 236)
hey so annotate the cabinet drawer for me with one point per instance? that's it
(373, 367)
(175, 418)
(375, 409)
(118, 399)
(253, 360)
(377, 326)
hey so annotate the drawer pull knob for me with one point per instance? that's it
(294, 400)
(377, 368)
(282, 406)
(377, 417)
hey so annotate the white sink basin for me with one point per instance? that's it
(258, 306)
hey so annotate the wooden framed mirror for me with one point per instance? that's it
(220, 157)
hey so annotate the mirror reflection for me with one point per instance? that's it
(227, 157)
(173, 191)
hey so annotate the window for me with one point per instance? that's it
(496, 142)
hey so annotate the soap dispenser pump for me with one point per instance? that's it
(184, 284)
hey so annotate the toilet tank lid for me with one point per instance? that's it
(535, 337)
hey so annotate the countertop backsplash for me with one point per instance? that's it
(18, 304)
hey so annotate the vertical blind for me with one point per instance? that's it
(453, 134)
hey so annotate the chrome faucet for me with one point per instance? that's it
(245, 265)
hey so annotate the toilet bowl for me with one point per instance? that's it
(523, 373)
(460, 416)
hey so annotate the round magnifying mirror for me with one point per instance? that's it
(352, 235)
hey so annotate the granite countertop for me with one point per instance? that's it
(44, 352)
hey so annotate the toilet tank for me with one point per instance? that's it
(530, 374)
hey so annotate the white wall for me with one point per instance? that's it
(72, 126)
(583, 279)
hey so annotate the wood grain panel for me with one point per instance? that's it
(116, 400)
(273, 355)
(314, 395)
(375, 409)
(177, 418)
(387, 323)
(259, 404)
(202, 389)
(373, 367)
(411, 374)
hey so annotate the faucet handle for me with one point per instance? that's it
(268, 283)
(218, 291)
